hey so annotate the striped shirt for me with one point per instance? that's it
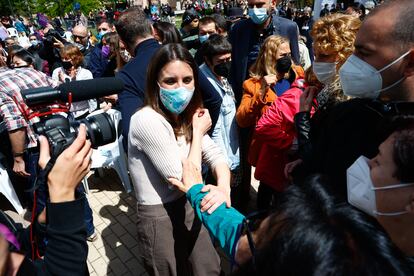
(11, 101)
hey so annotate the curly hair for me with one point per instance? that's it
(335, 34)
(266, 61)
(72, 52)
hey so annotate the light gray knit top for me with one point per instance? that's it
(154, 155)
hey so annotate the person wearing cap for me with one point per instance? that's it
(189, 30)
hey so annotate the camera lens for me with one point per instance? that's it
(100, 128)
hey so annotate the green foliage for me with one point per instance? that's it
(22, 7)
(50, 7)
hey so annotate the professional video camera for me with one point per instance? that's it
(50, 105)
(49, 38)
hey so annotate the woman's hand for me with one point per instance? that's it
(70, 167)
(201, 121)
(291, 166)
(267, 81)
(191, 176)
(62, 77)
(214, 198)
(72, 73)
(306, 99)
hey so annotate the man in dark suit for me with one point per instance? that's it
(135, 32)
(247, 36)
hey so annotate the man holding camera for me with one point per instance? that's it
(65, 228)
(22, 149)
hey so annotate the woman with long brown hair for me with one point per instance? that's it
(170, 127)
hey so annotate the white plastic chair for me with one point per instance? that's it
(112, 155)
(7, 189)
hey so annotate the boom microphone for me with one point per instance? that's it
(80, 91)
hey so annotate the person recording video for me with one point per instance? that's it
(65, 226)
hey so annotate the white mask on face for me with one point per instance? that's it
(325, 71)
(360, 79)
(126, 57)
(361, 192)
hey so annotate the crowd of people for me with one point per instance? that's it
(321, 108)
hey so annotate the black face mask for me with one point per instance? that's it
(66, 65)
(283, 64)
(223, 69)
(21, 66)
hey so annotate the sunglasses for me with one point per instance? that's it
(78, 36)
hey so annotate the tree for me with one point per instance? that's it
(22, 7)
(60, 7)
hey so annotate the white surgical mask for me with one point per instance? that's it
(361, 191)
(325, 71)
(125, 55)
(258, 15)
(360, 79)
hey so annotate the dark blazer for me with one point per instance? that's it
(97, 62)
(134, 76)
(239, 38)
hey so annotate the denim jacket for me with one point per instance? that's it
(225, 133)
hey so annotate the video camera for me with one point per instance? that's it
(49, 38)
(48, 104)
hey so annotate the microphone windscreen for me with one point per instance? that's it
(90, 89)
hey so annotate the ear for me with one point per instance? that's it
(153, 31)
(409, 71)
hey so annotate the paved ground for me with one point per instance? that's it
(114, 213)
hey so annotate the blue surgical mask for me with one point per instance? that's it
(101, 34)
(176, 100)
(203, 38)
(34, 42)
(258, 15)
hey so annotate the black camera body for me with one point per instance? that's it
(51, 106)
(61, 132)
(51, 35)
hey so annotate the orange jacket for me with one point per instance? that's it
(252, 106)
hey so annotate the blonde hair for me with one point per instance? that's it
(335, 34)
(266, 61)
